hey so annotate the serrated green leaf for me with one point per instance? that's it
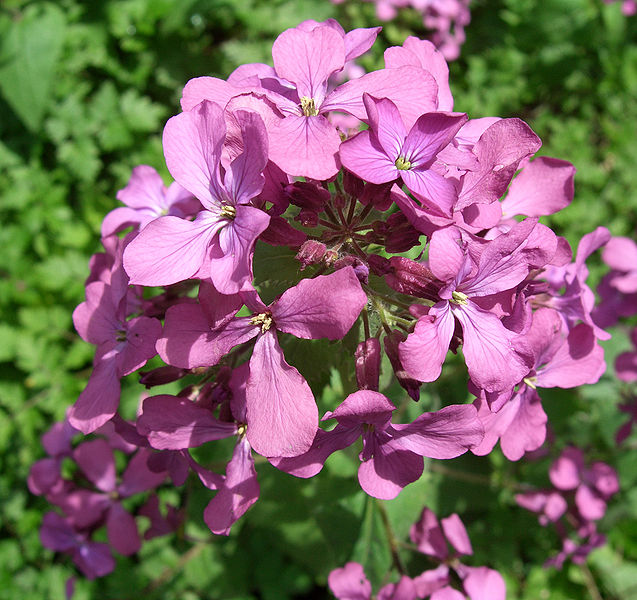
(29, 53)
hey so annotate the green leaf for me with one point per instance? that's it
(372, 549)
(28, 56)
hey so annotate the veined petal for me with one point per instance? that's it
(244, 179)
(363, 156)
(412, 89)
(488, 349)
(323, 307)
(213, 89)
(386, 125)
(308, 58)
(99, 400)
(193, 142)
(281, 413)
(145, 189)
(424, 350)
(543, 187)
(305, 147)
(170, 249)
(172, 423)
(121, 529)
(325, 443)
(188, 341)
(431, 189)
(238, 493)
(430, 133)
(231, 257)
(389, 470)
(446, 433)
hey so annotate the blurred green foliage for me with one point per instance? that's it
(85, 87)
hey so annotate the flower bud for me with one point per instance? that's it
(311, 253)
(412, 278)
(391, 349)
(161, 376)
(307, 195)
(368, 364)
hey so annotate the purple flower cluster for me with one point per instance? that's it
(433, 539)
(578, 499)
(446, 19)
(91, 498)
(408, 240)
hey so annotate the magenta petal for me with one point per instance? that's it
(305, 147)
(43, 475)
(214, 89)
(281, 412)
(170, 249)
(565, 471)
(325, 443)
(591, 506)
(482, 583)
(122, 530)
(543, 187)
(94, 559)
(500, 149)
(364, 406)
(386, 125)
(427, 535)
(138, 477)
(188, 341)
(350, 583)
(239, 492)
(405, 589)
(192, 142)
(323, 307)
(447, 593)
(308, 58)
(412, 89)
(56, 533)
(231, 259)
(456, 534)
(141, 336)
(620, 253)
(424, 350)
(431, 188)
(389, 471)
(430, 133)
(363, 156)
(360, 40)
(446, 433)
(422, 53)
(97, 462)
(96, 319)
(99, 400)
(176, 423)
(122, 217)
(446, 258)
(488, 349)
(144, 189)
(578, 361)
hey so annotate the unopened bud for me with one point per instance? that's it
(307, 195)
(353, 185)
(400, 236)
(368, 364)
(161, 376)
(379, 264)
(391, 342)
(412, 278)
(361, 270)
(377, 195)
(311, 253)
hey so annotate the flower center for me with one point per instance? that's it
(402, 164)
(459, 298)
(229, 212)
(530, 381)
(120, 335)
(308, 107)
(263, 320)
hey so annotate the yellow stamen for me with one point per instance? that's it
(402, 164)
(229, 212)
(459, 298)
(263, 320)
(308, 107)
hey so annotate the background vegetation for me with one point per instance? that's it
(85, 88)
